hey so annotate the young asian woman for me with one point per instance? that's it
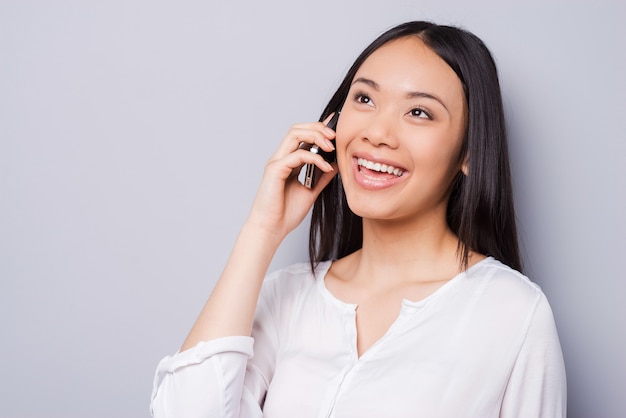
(413, 302)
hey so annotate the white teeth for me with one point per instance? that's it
(382, 168)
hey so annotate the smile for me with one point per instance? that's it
(381, 168)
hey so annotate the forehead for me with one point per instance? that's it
(407, 65)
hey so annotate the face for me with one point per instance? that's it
(400, 133)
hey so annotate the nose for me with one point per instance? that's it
(380, 130)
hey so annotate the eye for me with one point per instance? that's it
(420, 113)
(363, 98)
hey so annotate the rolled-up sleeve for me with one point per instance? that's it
(204, 381)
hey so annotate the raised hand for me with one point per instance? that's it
(282, 202)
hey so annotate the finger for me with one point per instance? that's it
(306, 138)
(292, 163)
(328, 118)
(324, 179)
(308, 134)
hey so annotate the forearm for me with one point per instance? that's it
(280, 205)
(230, 309)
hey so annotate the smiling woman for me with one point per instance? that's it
(413, 303)
(405, 109)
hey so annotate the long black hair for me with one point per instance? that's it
(480, 209)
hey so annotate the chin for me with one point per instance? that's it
(372, 208)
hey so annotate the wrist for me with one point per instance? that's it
(269, 236)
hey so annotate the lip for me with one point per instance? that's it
(376, 182)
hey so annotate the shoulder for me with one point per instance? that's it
(504, 304)
(501, 277)
(292, 280)
(497, 284)
(299, 272)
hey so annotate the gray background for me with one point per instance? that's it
(133, 134)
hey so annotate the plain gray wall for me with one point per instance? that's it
(133, 134)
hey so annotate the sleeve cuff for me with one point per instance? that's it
(198, 354)
(204, 350)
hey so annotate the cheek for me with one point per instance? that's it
(438, 154)
(345, 127)
(345, 133)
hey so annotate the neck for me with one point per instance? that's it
(415, 250)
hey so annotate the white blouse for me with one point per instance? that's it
(483, 345)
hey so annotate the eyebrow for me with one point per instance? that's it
(409, 95)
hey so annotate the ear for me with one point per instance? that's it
(465, 165)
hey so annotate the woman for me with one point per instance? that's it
(412, 304)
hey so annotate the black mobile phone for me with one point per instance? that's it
(310, 171)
